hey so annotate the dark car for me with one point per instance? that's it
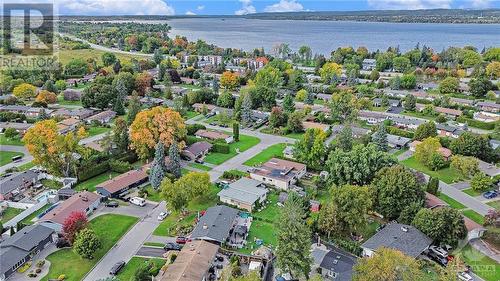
(181, 240)
(112, 204)
(490, 194)
(172, 247)
(117, 267)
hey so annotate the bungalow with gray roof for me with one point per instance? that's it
(489, 106)
(215, 225)
(244, 194)
(397, 141)
(13, 185)
(103, 117)
(333, 263)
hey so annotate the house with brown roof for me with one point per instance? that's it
(199, 107)
(84, 201)
(214, 135)
(278, 172)
(196, 150)
(68, 125)
(21, 128)
(115, 187)
(315, 125)
(489, 106)
(192, 263)
(101, 117)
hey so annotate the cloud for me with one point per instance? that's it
(111, 7)
(410, 4)
(247, 8)
(480, 4)
(284, 6)
(200, 8)
(189, 13)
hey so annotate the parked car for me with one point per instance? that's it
(162, 216)
(117, 267)
(464, 276)
(172, 247)
(181, 240)
(199, 160)
(490, 194)
(112, 204)
(210, 115)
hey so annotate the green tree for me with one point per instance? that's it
(449, 85)
(288, 104)
(294, 123)
(410, 103)
(246, 110)
(293, 249)
(329, 70)
(425, 152)
(345, 138)
(236, 131)
(86, 243)
(328, 219)
(309, 99)
(301, 95)
(357, 166)
(380, 138)
(425, 130)
(433, 186)
(468, 166)
(277, 118)
(401, 64)
(481, 182)
(174, 160)
(179, 193)
(158, 168)
(134, 107)
(443, 225)
(408, 81)
(310, 149)
(352, 204)
(225, 99)
(120, 135)
(409, 212)
(395, 188)
(157, 56)
(11, 133)
(108, 58)
(343, 107)
(470, 144)
(480, 86)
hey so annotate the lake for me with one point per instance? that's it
(324, 36)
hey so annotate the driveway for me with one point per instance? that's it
(129, 244)
(150, 252)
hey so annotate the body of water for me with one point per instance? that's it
(325, 36)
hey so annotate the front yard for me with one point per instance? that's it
(474, 216)
(109, 228)
(275, 150)
(494, 204)
(9, 213)
(245, 143)
(482, 265)
(447, 175)
(128, 271)
(6, 156)
(95, 130)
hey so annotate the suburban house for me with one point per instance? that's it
(488, 106)
(445, 152)
(197, 150)
(487, 117)
(83, 201)
(446, 130)
(427, 86)
(193, 262)
(117, 186)
(448, 112)
(151, 101)
(324, 97)
(422, 95)
(464, 102)
(377, 102)
(25, 110)
(13, 185)
(244, 193)
(214, 135)
(79, 113)
(357, 132)
(215, 225)
(404, 238)
(68, 125)
(278, 172)
(21, 128)
(333, 264)
(200, 107)
(315, 125)
(397, 142)
(369, 64)
(101, 117)
(371, 117)
(22, 247)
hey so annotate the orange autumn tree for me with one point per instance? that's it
(153, 125)
(46, 97)
(143, 83)
(229, 80)
(53, 151)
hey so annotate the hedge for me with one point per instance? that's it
(399, 132)
(191, 139)
(221, 148)
(120, 166)
(192, 128)
(476, 123)
(95, 170)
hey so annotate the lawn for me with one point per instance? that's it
(153, 195)
(271, 211)
(28, 219)
(6, 156)
(245, 143)
(452, 202)
(297, 136)
(472, 192)
(474, 216)
(174, 220)
(128, 271)
(200, 166)
(190, 114)
(275, 150)
(52, 184)
(62, 101)
(260, 230)
(93, 130)
(26, 166)
(448, 175)
(85, 54)
(485, 267)
(494, 204)
(12, 141)
(109, 228)
(92, 182)
(9, 213)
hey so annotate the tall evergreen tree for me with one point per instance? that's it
(309, 98)
(134, 107)
(236, 131)
(174, 160)
(288, 104)
(246, 110)
(120, 135)
(380, 138)
(117, 67)
(158, 168)
(215, 86)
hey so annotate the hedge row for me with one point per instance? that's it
(221, 148)
(476, 123)
(103, 166)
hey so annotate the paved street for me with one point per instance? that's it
(128, 246)
(16, 148)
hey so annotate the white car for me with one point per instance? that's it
(162, 216)
(464, 276)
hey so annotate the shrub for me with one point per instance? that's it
(95, 170)
(233, 174)
(120, 166)
(24, 267)
(32, 275)
(61, 277)
(192, 128)
(38, 270)
(191, 139)
(476, 123)
(221, 148)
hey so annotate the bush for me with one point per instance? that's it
(120, 166)
(191, 139)
(38, 270)
(233, 174)
(95, 170)
(24, 267)
(62, 243)
(221, 148)
(476, 123)
(192, 128)
(32, 275)
(399, 132)
(61, 277)
(40, 263)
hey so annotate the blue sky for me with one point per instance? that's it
(231, 7)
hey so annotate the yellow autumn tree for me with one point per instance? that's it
(153, 125)
(24, 91)
(229, 80)
(493, 69)
(46, 97)
(330, 70)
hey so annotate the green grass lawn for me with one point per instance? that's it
(174, 220)
(52, 184)
(92, 182)
(7, 141)
(26, 166)
(472, 192)
(494, 204)
(297, 136)
(271, 211)
(483, 266)
(452, 202)
(109, 228)
(28, 219)
(474, 216)
(200, 166)
(190, 114)
(128, 271)
(153, 195)
(448, 175)
(260, 230)
(245, 143)
(62, 101)
(6, 156)
(275, 150)
(85, 54)
(93, 130)
(399, 152)
(9, 213)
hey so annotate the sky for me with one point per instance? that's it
(242, 7)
